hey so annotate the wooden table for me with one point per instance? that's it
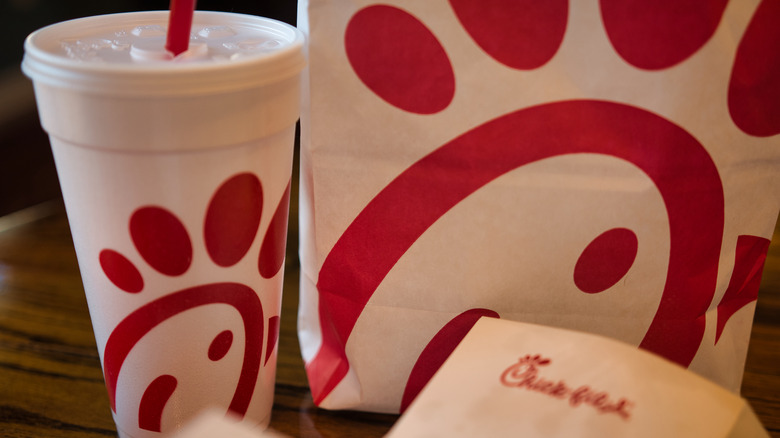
(51, 383)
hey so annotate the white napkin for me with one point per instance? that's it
(216, 424)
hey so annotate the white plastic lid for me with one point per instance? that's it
(123, 54)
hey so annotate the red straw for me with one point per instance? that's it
(179, 26)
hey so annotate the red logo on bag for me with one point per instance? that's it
(525, 374)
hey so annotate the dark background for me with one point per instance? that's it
(27, 174)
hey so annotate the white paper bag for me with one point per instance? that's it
(588, 165)
(509, 379)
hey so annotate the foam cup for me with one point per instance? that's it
(175, 172)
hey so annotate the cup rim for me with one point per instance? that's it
(44, 66)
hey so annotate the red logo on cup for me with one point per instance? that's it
(525, 374)
(230, 225)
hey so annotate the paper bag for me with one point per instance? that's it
(601, 166)
(510, 379)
